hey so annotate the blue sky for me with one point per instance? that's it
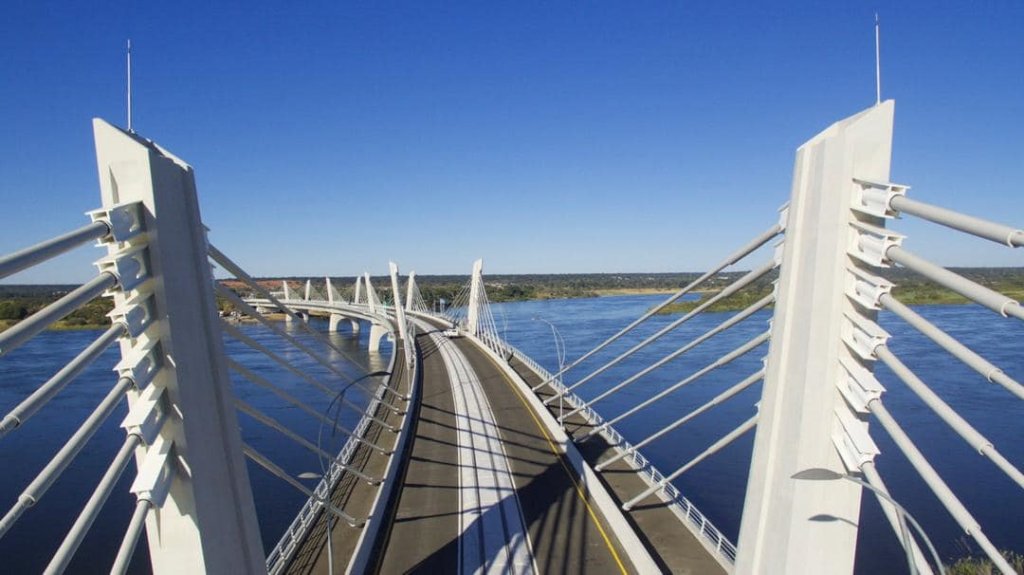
(328, 138)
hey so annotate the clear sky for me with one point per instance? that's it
(545, 137)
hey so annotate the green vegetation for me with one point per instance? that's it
(18, 302)
(910, 289)
(984, 566)
(16, 305)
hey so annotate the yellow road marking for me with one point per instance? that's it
(580, 492)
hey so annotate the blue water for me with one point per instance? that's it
(716, 485)
(28, 546)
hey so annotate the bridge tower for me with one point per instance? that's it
(476, 288)
(410, 291)
(372, 301)
(358, 297)
(808, 415)
(377, 331)
(399, 310)
(201, 519)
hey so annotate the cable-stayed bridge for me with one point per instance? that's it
(459, 452)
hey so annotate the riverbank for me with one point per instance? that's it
(918, 293)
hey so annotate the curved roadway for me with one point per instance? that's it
(483, 472)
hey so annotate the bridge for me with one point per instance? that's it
(461, 453)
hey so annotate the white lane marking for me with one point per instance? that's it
(493, 538)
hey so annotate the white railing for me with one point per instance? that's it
(682, 506)
(295, 534)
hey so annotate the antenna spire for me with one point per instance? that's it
(130, 86)
(878, 63)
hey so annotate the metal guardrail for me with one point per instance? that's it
(281, 554)
(279, 557)
(683, 507)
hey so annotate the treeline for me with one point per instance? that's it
(507, 287)
(910, 289)
(20, 301)
(91, 315)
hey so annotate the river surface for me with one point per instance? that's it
(716, 485)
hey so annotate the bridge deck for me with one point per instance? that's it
(669, 542)
(565, 532)
(482, 470)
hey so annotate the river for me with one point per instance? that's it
(716, 485)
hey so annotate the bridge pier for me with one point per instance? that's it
(377, 333)
(337, 319)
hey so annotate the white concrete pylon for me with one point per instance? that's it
(286, 289)
(802, 411)
(207, 523)
(410, 289)
(399, 310)
(371, 295)
(330, 290)
(309, 286)
(358, 297)
(476, 284)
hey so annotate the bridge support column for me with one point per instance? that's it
(182, 410)
(399, 310)
(410, 290)
(804, 421)
(475, 289)
(355, 325)
(336, 319)
(377, 333)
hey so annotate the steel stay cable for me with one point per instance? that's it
(27, 328)
(241, 274)
(48, 390)
(713, 449)
(238, 335)
(674, 355)
(260, 381)
(950, 344)
(998, 233)
(964, 429)
(747, 347)
(92, 507)
(51, 248)
(734, 287)
(718, 399)
(736, 256)
(53, 470)
(995, 301)
(287, 432)
(280, 473)
(938, 486)
(250, 311)
(895, 518)
(131, 537)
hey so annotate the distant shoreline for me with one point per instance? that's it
(20, 301)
